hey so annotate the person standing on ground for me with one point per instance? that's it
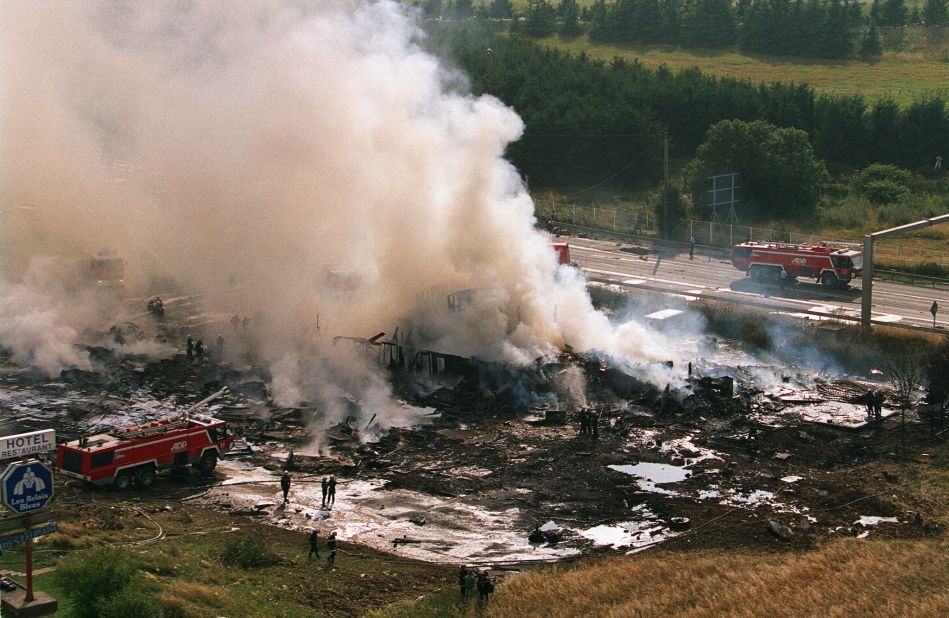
(331, 548)
(485, 587)
(220, 346)
(285, 486)
(189, 347)
(199, 350)
(325, 487)
(469, 584)
(462, 575)
(331, 493)
(878, 398)
(691, 247)
(314, 544)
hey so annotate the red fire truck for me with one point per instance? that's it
(106, 268)
(137, 453)
(765, 262)
(563, 252)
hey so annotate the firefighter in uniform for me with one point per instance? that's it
(285, 486)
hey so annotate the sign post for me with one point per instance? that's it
(933, 311)
(26, 487)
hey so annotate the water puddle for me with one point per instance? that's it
(651, 475)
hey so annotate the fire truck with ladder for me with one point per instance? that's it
(137, 453)
(770, 262)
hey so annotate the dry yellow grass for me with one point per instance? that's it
(902, 76)
(847, 578)
(190, 599)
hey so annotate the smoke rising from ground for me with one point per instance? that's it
(277, 142)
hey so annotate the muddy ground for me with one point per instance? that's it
(476, 476)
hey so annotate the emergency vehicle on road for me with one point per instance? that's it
(769, 262)
(137, 453)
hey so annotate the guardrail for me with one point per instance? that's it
(912, 279)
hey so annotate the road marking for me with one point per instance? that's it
(634, 281)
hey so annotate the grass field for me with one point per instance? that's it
(902, 76)
(185, 571)
(918, 70)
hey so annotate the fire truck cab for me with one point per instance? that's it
(137, 453)
(563, 253)
(767, 262)
(106, 268)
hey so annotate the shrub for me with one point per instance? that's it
(88, 578)
(247, 554)
(130, 601)
(881, 183)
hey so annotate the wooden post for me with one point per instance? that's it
(28, 552)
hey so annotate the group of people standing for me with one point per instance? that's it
(468, 580)
(330, 546)
(589, 422)
(328, 487)
(874, 402)
(196, 349)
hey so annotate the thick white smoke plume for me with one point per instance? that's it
(276, 144)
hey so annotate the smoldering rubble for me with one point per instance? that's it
(497, 463)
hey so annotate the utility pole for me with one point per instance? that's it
(665, 182)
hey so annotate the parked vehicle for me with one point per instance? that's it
(765, 262)
(137, 453)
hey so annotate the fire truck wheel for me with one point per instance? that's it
(145, 476)
(122, 481)
(828, 280)
(207, 464)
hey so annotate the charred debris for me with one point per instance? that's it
(538, 438)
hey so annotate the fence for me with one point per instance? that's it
(724, 234)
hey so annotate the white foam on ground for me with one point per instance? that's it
(650, 475)
(874, 520)
(641, 533)
(455, 530)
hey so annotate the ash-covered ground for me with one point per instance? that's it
(502, 465)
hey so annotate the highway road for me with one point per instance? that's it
(710, 276)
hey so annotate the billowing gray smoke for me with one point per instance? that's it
(275, 142)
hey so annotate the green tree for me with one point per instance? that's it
(835, 32)
(570, 14)
(709, 23)
(893, 13)
(500, 9)
(840, 130)
(780, 176)
(541, 19)
(600, 26)
(935, 12)
(884, 123)
(671, 209)
(925, 132)
(871, 47)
